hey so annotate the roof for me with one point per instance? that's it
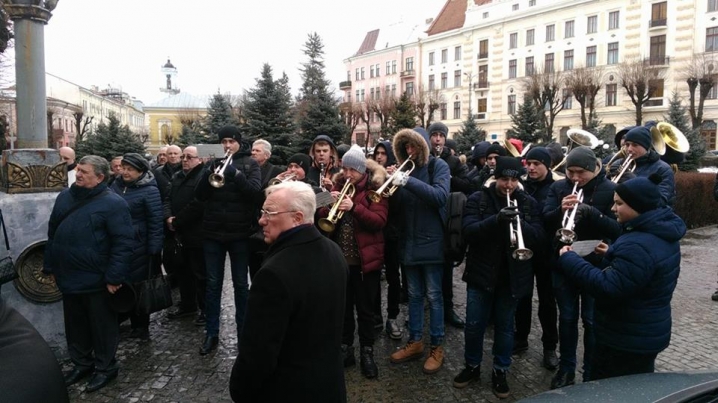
(400, 33)
(452, 16)
(181, 100)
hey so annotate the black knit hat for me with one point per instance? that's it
(496, 149)
(619, 136)
(136, 161)
(341, 149)
(451, 144)
(508, 167)
(539, 154)
(479, 150)
(230, 131)
(303, 160)
(438, 127)
(641, 136)
(582, 157)
(641, 193)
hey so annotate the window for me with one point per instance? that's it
(377, 69)
(393, 90)
(431, 60)
(513, 40)
(613, 18)
(410, 88)
(371, 71)
(387, 90)
(393, 67)
(612, 57)
(512, 68)
(457, 78)
(457, 53)
(388, 68)
(514, 7)
(713, 93)
(611, 94)
(432, 84)
(361, 97)
(349, 76)
(371, 94)
(712, 39)
(442, 109)
(512, 104)
(568, 29)
(550, 32)
(530, 33)
(485, 15)
(529, 65)
(532, 3)
(357, 74)
(659, 14)
(656, 90)
(658, 50)
(712, 5)
(409, 64)
(568, 60)
(592, 24)
(362, 73)
(444, 80)
(444, 55)
(457, 110)
(484, 48)
(484, 76)
(482, 105)
(548, 63)
(378, 92)
(591, 56)
(567, 98)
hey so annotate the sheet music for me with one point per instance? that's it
(584, 248)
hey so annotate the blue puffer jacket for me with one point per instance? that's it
(91, 247)
(145, 203)
(633, 291)
(423, 202)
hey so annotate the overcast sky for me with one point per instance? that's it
(215, 44)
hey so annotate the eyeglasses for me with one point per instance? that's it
(187, 157)
(269, 214)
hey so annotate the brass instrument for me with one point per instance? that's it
(582, 138)
(509, 146)
(566, 233)
(216, 179)
(322, 172)
(277, 180)
(517, 237)
(329, 223)
(628, 164)
(386, 191)
(676, 143)
(438, 150)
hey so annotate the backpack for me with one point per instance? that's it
(454, 243)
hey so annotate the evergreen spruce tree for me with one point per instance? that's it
(318, 109)
(605, 136)
(110, 140)
(678, 117)
(469, 134)
(404, 114)
(188, 137)
(219, 114)
(526, 123)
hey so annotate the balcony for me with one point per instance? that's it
(481, 85)
(407, 73)
(482, 56)
(345, 85)
(659, 23)
(657, 61)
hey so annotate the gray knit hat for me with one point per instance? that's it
(355, 159)
(582, 157)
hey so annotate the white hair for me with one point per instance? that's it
(265, 145)
(299, 197)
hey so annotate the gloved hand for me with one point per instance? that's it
(584, 212)
(507, 214)
(400, 179)
(230, 171)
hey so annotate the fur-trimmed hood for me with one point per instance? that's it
(377, 175)
(414, 138)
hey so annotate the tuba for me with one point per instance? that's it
(386, 191)
(582, 138)
(329, 223)
(676, 143)
(216, 178)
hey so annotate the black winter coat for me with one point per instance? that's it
(290, 347)
(488, 239)
(163, 175)
(459, 172)
(182, 204)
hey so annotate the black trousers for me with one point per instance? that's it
(192, 275)
(394, 277)
(609, 362)
(447, 284)
(361, 293)
(91, 327)
(547, 310)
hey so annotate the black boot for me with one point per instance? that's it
(368, 366)
(550, 360)
(563, 378)
(348, 355)
(499, 385)
(453, 319)
(209, 344)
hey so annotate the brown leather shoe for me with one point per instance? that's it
(435, 360)
(412, 351)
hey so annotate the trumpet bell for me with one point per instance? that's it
(522, 254)
(374, 196)
(326, 225)
(583, 138)
(566, 236)
(216, 180)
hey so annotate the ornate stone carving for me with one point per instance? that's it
(32, 283)
(34, 178)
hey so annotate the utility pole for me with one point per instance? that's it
(470, 76)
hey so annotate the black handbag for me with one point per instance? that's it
(8, 272)
(153, 294)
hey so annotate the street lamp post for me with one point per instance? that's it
(470, 76)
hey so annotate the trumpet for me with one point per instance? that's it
(329, 223)
(627, 164)
(386, 191)
(517, 238)
(276, 181)
(216, 179)
(566, 233)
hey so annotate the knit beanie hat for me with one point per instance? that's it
(620, 135)
(438, 127)
(136, 161)
(539, 154)
(582, 157)
(342, 149)
(355, 159)
(479, 150)
(641, 136)
(556, 152)
(231, 132)
(496, 149)
(451, 144)
(641, 193)
(508, 167)
(302, 160)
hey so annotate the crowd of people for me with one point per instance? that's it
(316, 236)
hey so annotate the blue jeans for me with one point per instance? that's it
(567, 298)
(215, 253)
(425, 281)
(480, 305)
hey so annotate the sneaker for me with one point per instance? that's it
(348, 356)
(393, 329)
(465, 377)
(550, 360)
(411, 351)
(366, 360)
(563, 378)
(520, 346)
(435, 360)
(499, 385)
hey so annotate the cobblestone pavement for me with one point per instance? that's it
(169, 369)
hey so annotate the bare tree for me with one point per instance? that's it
(700, 73)
(383, 108)
(82, 125)
(640, 81)
(545, 87)
(584, 84)
(427, 102)
(354, 116)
